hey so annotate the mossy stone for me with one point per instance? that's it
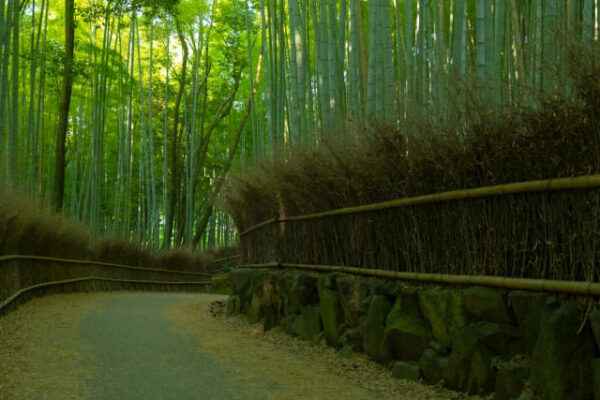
(271, 317)
(287, 324)
(233, 305)
(299, 290)
(331, 314)
(270, 289)
(328, 281)
(348, 290)
(407, 332)
(240, 280)
(431, 366)
(374, 340)
(510, 380)
(351, 338)
(257, 282)
(528, 308)
(485, 304)
(561, 366)
(443, 310)
(470, 362)
(406, 371)
(255, 311)
(482, 376)
(504, 340)
(221, 283)
(308, 324)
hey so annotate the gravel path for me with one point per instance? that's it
(169, 346)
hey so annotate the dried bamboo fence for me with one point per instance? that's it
(22, 277)
(544, 229)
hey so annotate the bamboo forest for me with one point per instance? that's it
(339, 199)
(131, 116)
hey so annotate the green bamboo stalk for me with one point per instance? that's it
(13, 115)
(296, 73)
(354, 67)
(302, 58)
(549, 50)
(154, 204)
(518, 43)
(389, 81)
(588, 20)
(374, 50)
(492, 49)
(409, 38)
(67, 86)
(423, 46)
(459, 49)
(481, 31)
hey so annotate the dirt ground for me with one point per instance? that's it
(44, 356)
(41, 354)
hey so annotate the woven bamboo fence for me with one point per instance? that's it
(544, 229)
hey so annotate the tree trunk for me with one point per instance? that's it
(65, 103)
(174, 140)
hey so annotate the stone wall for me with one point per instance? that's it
(475, 339)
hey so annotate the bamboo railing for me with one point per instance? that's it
(544, 185)
(19, 283)
(94, 280)
(224, 259)
(544, 285)
(98, 263)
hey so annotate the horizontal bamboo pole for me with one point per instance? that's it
(22, 291)
(543, 285)
(580, 182)
(259, 225)
(99, 263)
(218, 260)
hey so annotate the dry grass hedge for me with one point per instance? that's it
(540, 235)
(26, 228)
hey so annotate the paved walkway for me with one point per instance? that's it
(166, 346)
(140, 355)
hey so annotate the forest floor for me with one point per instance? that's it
(174, 346)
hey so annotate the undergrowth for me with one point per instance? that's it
(544, 235)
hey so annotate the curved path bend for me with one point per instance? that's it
(160, 346)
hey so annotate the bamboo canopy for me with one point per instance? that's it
(543, 285)
(543, 185)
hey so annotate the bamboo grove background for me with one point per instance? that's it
(170, 97)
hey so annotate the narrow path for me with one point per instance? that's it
(109, 346)
(140, 355)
